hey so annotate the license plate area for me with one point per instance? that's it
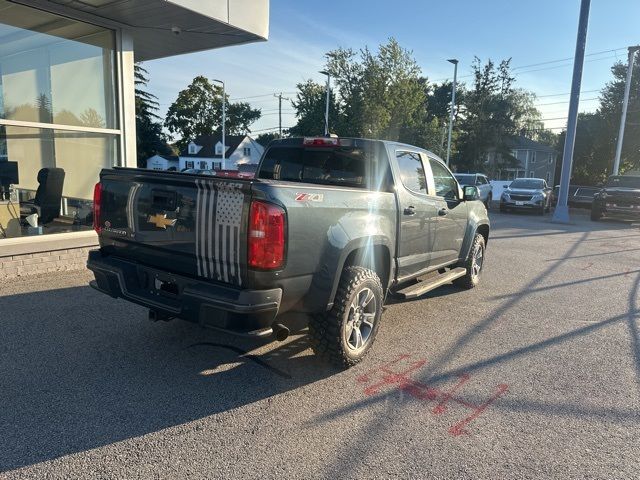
(166, 287)
(519, 204)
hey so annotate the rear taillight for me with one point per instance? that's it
(266, 236)
(97, 200)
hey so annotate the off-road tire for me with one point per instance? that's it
(470, 280)
(326, 330)
(487, 204)
(596, 214)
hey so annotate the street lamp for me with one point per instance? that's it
(625, 104)
(224, 121)
(453, 104)
(326, 110)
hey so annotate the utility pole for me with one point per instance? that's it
(280, 97)
(453, 104)
(625, 105)
(561, 213)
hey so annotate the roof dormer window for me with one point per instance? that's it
(193, 148)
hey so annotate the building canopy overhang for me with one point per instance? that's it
(162, 28)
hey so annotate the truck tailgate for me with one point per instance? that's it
(182, 223)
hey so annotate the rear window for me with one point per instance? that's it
(345, 166)
(465, 179)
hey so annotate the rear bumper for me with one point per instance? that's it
(172, 295)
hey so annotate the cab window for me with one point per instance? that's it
(412, 171)
(446, 185)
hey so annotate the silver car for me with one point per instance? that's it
(526, 194)
(477, 180)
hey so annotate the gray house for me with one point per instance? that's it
(534, 160)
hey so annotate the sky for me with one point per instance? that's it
(539, 36)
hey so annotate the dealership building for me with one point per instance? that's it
(67, 107)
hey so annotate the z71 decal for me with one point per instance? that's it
(309, 197)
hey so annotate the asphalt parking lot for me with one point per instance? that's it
(534, 374)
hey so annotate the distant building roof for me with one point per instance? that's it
(522, 142)
(208, 144)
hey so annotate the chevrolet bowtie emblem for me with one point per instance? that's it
(161, 220)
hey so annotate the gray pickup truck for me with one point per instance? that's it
(324, 232)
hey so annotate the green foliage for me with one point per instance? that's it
(150, 140)
(493, 110)
(264, 138)
(383, 95)
(198, 111)
(310, 105)
(376, 94)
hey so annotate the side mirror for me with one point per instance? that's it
(505, 186)
(471, 193)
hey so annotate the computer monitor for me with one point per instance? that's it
(9, 173)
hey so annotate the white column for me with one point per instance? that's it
(127, 100)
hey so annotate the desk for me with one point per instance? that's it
(10, 219)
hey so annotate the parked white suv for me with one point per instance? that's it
(477, 180)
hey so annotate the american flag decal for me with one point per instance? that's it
(219, 213)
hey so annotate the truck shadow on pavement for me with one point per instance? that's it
(79, 370)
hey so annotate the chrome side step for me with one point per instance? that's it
(421, 288)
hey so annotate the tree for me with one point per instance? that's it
(265, 138)
(198, 111)
(310, 106)
(493, 111)
(150, 140)
(597, 132)
(376, 94)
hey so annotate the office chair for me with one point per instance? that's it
(48, 196)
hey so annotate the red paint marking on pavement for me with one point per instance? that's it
(401, 380)
(390, 377)
(458, 428)
(442, 406)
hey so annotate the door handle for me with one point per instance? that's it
(410, 210)
(442, 212)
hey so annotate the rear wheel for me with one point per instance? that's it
(487, 204)
(473, 264)
(345, 334)
(596, 213)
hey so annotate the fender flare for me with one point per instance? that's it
(357, 244)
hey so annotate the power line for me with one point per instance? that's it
(563, 94)
(549, 62)
(260, 96)
(560, 103)
(568, 58)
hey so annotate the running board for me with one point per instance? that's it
(419, 289)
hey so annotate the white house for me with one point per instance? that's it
(205, 152)
(163, 162)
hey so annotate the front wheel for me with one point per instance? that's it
(596, 213)
(345, 334)
(473, 264)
